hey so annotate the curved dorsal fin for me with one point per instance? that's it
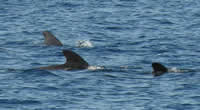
(158, 69)
(50, 39)
(74, 60)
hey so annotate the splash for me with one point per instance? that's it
(95, 68)
(175, 70)
(84, 43)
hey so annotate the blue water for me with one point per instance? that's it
(127, 36)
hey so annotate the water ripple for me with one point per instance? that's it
(127, 36)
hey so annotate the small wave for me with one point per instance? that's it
(84, 43)
(37, 73)
(16, 101)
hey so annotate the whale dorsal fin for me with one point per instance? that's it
(74, 60)
(50, 39)
(158, 69)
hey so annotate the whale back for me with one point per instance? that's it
(50, 39)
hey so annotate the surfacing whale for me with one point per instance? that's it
(159, 69)
(73, 62)
(50, 39)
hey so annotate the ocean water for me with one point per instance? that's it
(126, 37)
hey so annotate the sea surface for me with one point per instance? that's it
(125, 37)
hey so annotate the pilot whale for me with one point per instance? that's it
(50, 39)
(73, 62)
(159, 69)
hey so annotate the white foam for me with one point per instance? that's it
(84, 43)
(95, 68)
(175, 70)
